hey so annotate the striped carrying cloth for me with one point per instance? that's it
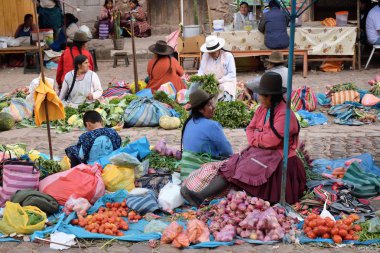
(19, 109)
(191, 161)
(199, 179)
(365, 184)
(18, 176)
(304, 99)
(119, 89)
(340, 97)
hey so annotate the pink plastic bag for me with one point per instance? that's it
(370, 100)
(78, 205)
(83, 180)
(169, 89)
(183, 96)
(197, 231)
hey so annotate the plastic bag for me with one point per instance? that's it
(17, 220)
(142, 85)
(181, 241)
(170, 197)
(65, 163)
(19, 109)
(171, 232)
(118, 178)
(370, 100)
(127, 160)
(197, 231)
(78, 205)
(325, 213)
(227, 234)
(155, 226)
(169, 89)
(83, 180)
(182, 96)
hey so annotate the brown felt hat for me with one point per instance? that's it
(161, 48)
(81, 37)
(270, 84)
(198, 97)
(276, 57)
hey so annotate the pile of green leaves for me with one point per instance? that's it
(164, 98)
(365, 235)
(47, 167)
(343, 87)
(157, 161)
(233, 114)
(209, 83)
(70, 111)
(33, 218)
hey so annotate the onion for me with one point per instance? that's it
(233, 205)
(239, 230)
(267, 204)
(260, 204)
(251, 208)
(242, 207)
(229, 196)
(223, 202)
(253, 236)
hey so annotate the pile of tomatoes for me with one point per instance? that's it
(108, 220)
(340, 230)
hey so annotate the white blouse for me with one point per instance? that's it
(83, 86)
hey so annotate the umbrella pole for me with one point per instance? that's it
(293, 16)
(43, 80)
(137, 88)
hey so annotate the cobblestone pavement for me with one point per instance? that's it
(329, 141)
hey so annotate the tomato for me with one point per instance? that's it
(138, 217)
(338, 223)
(320, 222)
(343, 233)
(348, 221)
(114, 229)
(75, 222)
(311, 235)
(316, 231)
(355, 237)
(108, 205)
(337, 239)
(94, 231)
(348, 237)
(307, 230)
(131, 215)
(330, 223)
(117, 204)
(351, 232)
(119, 233)
(334, 231)
(326, 236)
(108, 232)
(312, 223)
(344, 227)
(354, 217)
(323, 230)
(101, 230)
(125, 227)
(111, 220)
(313, 216)
(357, 228)
(123, 204)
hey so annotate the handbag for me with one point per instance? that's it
(304, 99)
(17, 175)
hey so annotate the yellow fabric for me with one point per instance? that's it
(15, 219)
(118, 178)
(55, 107)
(65, 163)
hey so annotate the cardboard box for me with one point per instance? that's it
(190, 45)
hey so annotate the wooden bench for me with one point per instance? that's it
(268, 52)
(18, 50)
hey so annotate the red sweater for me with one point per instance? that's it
(261, 135)
(66, 63)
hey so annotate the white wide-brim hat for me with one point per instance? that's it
(212, 44)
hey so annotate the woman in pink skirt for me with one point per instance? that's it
(258, 169)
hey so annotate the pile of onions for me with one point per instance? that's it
(247, 217)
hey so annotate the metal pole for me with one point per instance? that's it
(43, 80)
(359, 31)
(288, 100)
(134, 55)
(182, 12)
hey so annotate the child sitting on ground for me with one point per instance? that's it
(98, 142)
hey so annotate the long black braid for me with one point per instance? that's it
(195, 114)
(78, 45)
(159, 57)
(77, 61)
(275, 100)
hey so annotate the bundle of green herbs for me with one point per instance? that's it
(208, 83)
(233, 114)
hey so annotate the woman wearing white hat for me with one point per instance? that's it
(217, 61)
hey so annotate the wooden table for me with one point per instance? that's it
(18, 50)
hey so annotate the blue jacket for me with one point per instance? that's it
(274, 25)
(206, 136)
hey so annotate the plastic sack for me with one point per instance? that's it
(332, 66)
(127, 160)
(183, 96)
(197, 231)
(143, 203)
(169, 89)
(65, 163)
(83, 181)
(118, 178)
(145, 112)
(340, 97)
(325, 213)
(78, 205)
(370, 100)
(313, 118)
(227, 234)
(16, 219)
(181, 241)
(86, 30)
(145, 93)
(171, 232)
(170, 197)
(142, 85)
(19, 109)
(155, 226)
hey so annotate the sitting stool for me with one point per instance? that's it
(93, 53)
(118, 54)
(32, 62)
(370, 57)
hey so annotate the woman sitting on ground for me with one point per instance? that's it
(66, 34)
(105, 26)
(66, 61)
(202, 137)
(26, 28)
(163, 68)
(141, 27)
(94, 144)
(81, 84)
(221, 63)
(258, 170)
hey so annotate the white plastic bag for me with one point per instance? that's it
(325, 213)
(78, 205)
(86, 30)
(170, 197)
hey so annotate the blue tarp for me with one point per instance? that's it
(367, 164)
(313, 118)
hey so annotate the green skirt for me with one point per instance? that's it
(191, 161)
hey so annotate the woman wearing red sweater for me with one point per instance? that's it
(66, 61)
(258, 169)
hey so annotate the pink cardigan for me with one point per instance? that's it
(261, 135)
